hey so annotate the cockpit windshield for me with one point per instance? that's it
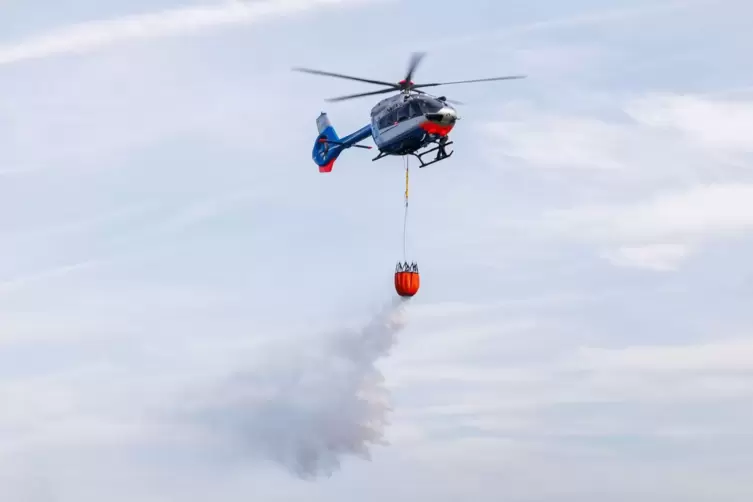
(414, 107)
(429, 105)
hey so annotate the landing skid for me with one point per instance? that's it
(381, 155)
(440, 149)
(441, 153)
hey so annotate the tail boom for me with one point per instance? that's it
(328, 145)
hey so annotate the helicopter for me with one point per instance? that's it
(400, 125)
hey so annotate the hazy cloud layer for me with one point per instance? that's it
(179, 21)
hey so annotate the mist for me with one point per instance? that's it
(310, 406)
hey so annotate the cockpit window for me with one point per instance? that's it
(415, 108)
(403, 113)
(388, 120)
(431, 105)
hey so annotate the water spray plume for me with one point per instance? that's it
(313, 406)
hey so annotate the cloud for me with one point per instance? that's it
(557, 392)
(11, 285)
(658, 182)
(694, 214)
(661, 257)
(717, 124)
(660, 232)
(565, 142)
(658, 135)
(98, 34)
(731, 355)
(575, 21)
(127, 240)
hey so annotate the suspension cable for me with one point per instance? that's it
(405, 220)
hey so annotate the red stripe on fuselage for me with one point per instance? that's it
(434, 128)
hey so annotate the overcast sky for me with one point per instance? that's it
(190, 311)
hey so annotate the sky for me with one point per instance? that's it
(190, 311)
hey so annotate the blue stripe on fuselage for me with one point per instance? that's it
(411, 138)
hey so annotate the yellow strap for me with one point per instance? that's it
(406, 183)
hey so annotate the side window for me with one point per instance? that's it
(388, 120)
(403, 113)
(415, 109)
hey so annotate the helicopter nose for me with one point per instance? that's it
(445, 116)
(440, 122)
(450, 115)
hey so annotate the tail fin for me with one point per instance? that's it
(327, 147)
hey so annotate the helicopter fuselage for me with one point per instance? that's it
(403, 124)
(400, 125)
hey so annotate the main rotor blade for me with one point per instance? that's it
(454, 102)
(451, 101)
(348, 77)
(351, 96)
(415, 59)
(469, 81)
